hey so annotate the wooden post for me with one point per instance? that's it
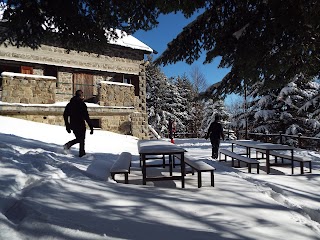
(299, 140)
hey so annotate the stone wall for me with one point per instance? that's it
(25, 88)
(117, 123)
(64, 87)
(115, 94)
(139, 119)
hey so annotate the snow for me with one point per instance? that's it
(49, 194)
(11, 74)
(130, 41)
(117, 83)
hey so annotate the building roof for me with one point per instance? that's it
(130, 41)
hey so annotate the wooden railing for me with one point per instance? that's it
(298, 140)
(229, 134)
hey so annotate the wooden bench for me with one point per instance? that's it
(122, 166)
(239, 158)
(199, 166)
(301, 160)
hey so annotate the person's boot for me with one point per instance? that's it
(82, 153)
(66, 146)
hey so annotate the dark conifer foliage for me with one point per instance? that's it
(261, 41)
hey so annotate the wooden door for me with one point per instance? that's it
(84, 82)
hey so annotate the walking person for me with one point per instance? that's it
(75, 115)
(215, 132)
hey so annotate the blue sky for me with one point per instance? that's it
(169, 27)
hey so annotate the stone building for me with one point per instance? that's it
(36, 84)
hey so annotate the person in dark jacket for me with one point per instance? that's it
(215, 132)
(75, 115)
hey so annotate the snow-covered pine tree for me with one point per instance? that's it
(175, 106)
(184, 88)
(312, 106)
(210, 110)
(289, 109)
(164, 101)
(156, 86)
(296, 96)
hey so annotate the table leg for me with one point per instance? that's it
(248, 152)
(170, 164)
(268, 161)
(292, 164)
(144, 169)
(183, 170)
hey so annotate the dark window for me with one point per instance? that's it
(135, 83)
(130, 79)
(96, 123)
(14, 69)
(50, 71)
(127, 79)
(118, 78)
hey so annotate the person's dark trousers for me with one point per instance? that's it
(215, 147)
(80, 138)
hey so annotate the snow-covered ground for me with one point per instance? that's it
(48, 194)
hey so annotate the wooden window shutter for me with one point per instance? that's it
(26, 70)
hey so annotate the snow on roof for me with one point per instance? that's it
(130, 41)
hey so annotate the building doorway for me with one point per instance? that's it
(84, 82)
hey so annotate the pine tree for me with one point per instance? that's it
(165, 100)
(156, 86)
(185, 90)
(289, 109)
(267, 42)
(211, 109)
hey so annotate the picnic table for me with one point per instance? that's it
(159, 147)
(249, 144)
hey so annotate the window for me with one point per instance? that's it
(26, 70)
(126, 79)
(96, 123)
(50, 71)
(135, 83)
(130, 79)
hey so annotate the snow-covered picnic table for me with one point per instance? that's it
(160, 147)
(249, 144)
